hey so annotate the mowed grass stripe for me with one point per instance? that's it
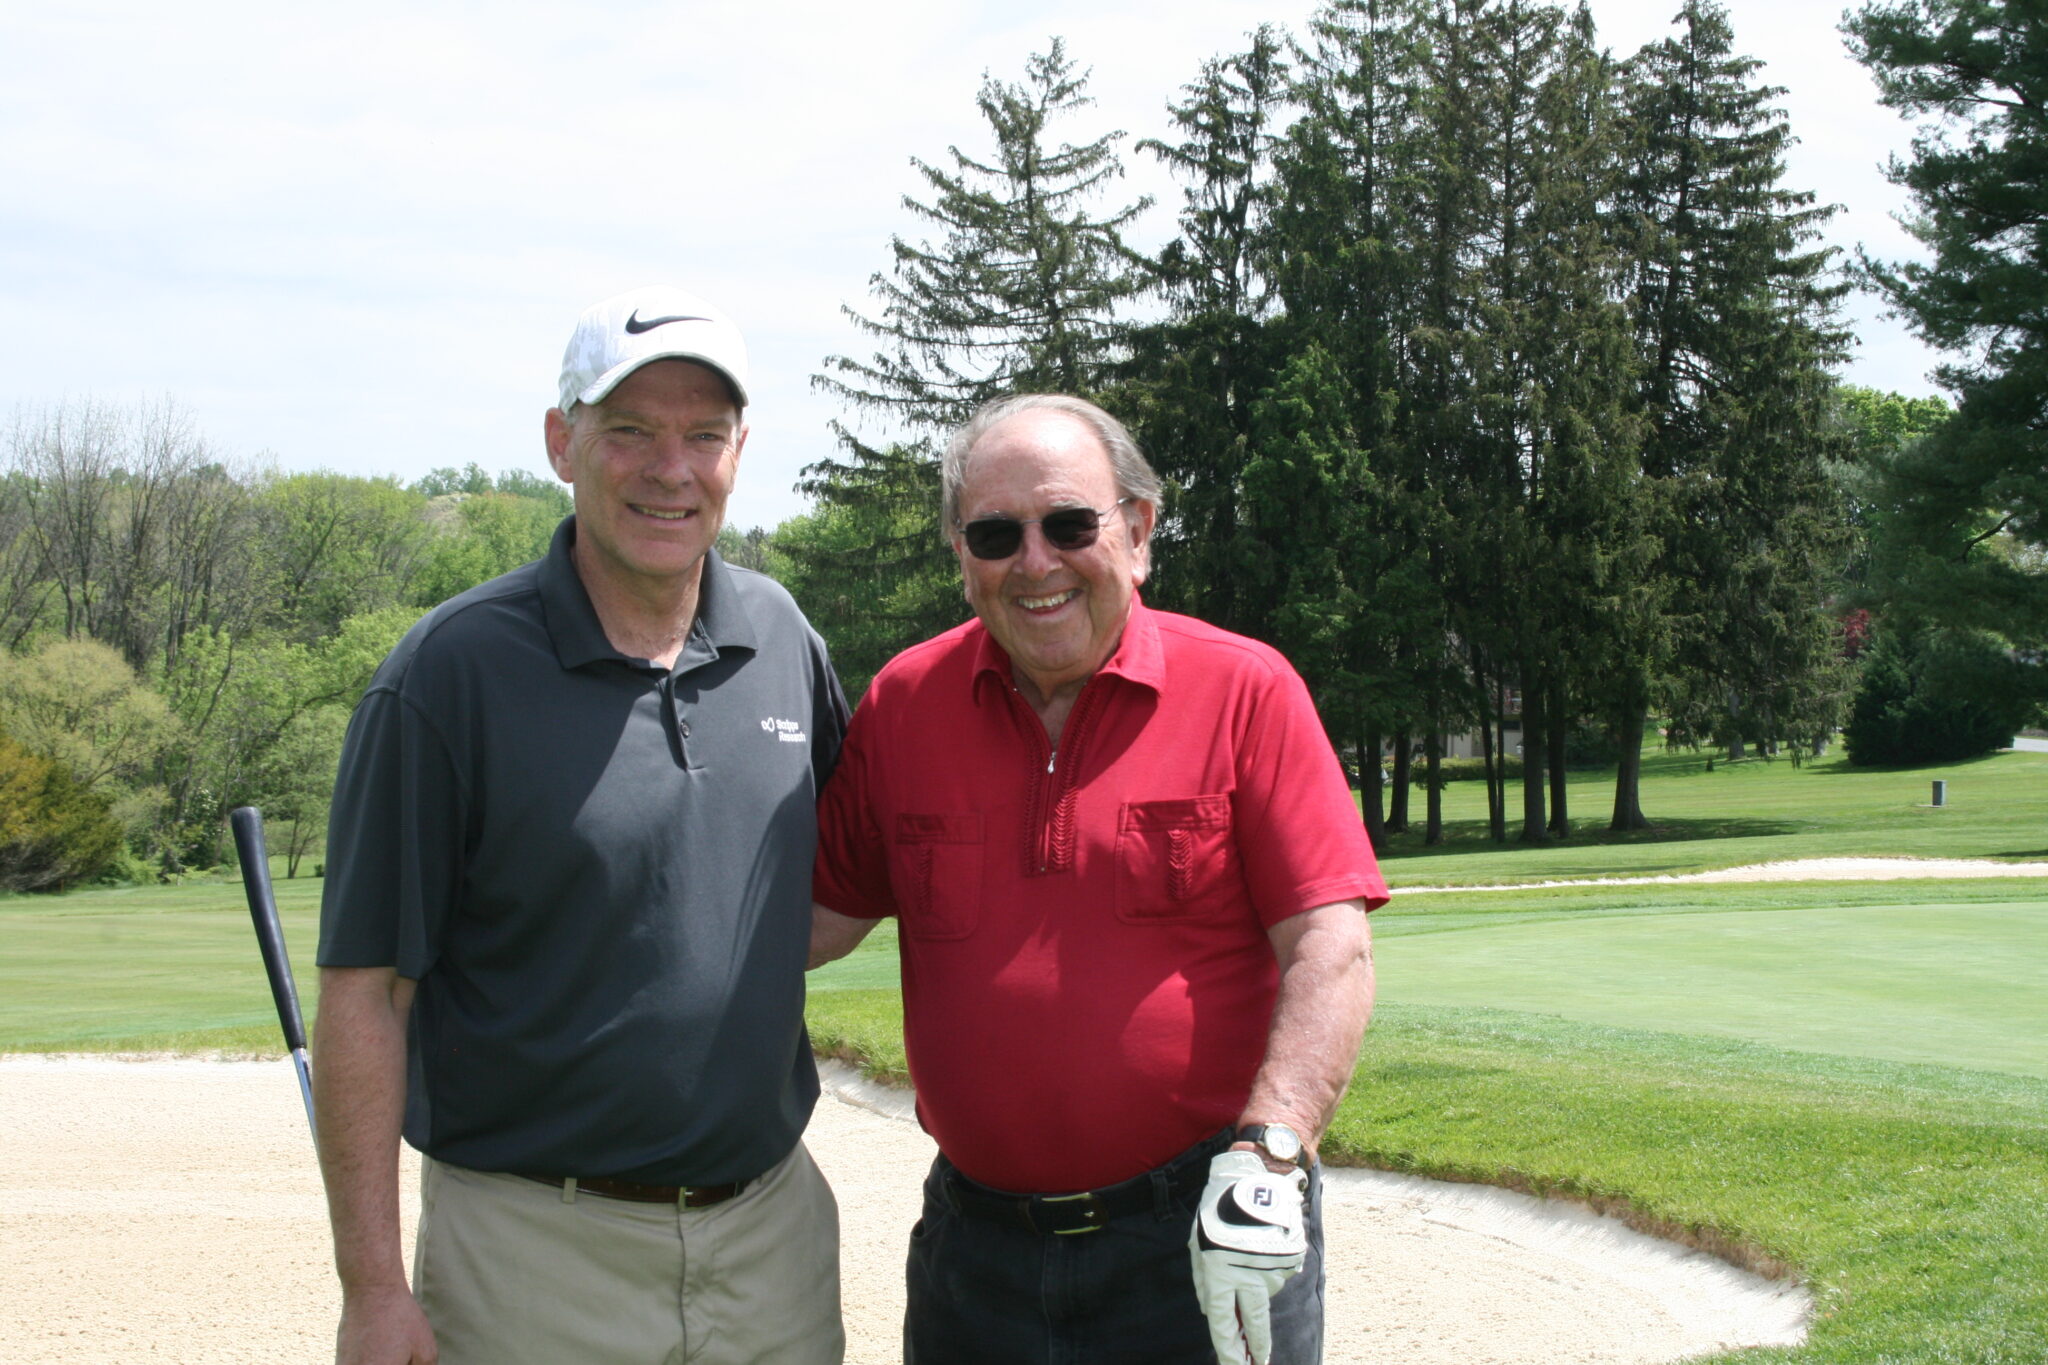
(148, 968)
(1953, 984)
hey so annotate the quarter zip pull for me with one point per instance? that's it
(1052, 759)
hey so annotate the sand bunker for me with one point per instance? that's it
(169, 1210)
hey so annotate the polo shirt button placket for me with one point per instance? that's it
(666, 687)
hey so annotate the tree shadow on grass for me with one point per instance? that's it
(1463, 837)
(1936, 768)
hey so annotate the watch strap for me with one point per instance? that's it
(1257, 1133)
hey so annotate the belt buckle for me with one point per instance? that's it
(1085, 1204)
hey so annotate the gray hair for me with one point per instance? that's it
(1134, 477)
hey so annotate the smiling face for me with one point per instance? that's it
(652, 464)
(1057, 613)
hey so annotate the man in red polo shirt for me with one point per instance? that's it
(1131, 886)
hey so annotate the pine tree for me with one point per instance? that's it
(1580, 499)
(1732, 306)
(1017, 294)
(1193, 377)
(1350, 189)
(1301, 489)
(1532, 426)
(1967, 509)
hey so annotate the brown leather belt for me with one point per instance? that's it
(689, 1196)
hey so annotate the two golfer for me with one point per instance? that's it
(570, 896)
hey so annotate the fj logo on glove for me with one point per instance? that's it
(1247, 1240)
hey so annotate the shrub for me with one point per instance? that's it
(1936, 697)
(1465, 769)
(53, 830)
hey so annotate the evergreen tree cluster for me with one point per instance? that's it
(1491, 378)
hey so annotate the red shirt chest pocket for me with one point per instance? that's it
(1177, 859)
(935, 872)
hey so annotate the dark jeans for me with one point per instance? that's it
(994, 1294)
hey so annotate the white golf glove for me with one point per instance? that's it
(1247, 1241)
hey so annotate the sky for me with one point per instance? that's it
(356, 237)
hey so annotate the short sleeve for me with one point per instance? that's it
(395, 841)
(1298, 831)
(851, 875)
(828, 716)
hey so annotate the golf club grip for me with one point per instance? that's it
(247, 824)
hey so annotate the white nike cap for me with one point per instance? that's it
(655, 322)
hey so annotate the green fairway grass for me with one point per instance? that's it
(1755, 811)
(1953, 982)
(148, 968)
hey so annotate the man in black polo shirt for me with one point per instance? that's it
(566, 914)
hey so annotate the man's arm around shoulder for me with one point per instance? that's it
(359, 1095)
(834, 935)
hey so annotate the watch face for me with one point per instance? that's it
(1283, 1142)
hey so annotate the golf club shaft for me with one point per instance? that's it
(247, 824)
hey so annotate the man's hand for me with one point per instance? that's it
(383, 1327)
(359, 1095)
(1247, 1240)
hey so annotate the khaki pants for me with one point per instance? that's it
(509, 1271)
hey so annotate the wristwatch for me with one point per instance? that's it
(1277, 1140)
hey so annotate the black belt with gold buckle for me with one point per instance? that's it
(1063, 1215)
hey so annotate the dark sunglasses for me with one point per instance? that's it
(1070, 528)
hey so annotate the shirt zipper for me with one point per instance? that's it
(1051, 788)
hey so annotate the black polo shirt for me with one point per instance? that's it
(599, 872)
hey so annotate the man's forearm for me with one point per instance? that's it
(359, 1095)
(1319, 1018)
(834, 935)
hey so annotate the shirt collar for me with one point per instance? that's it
(1138, 657)
(578, 636)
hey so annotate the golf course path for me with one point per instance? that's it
(169, 1210)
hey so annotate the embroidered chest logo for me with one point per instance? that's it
(788, 731)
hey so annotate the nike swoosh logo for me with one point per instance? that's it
(634, 326)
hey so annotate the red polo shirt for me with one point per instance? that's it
(1087, 980)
